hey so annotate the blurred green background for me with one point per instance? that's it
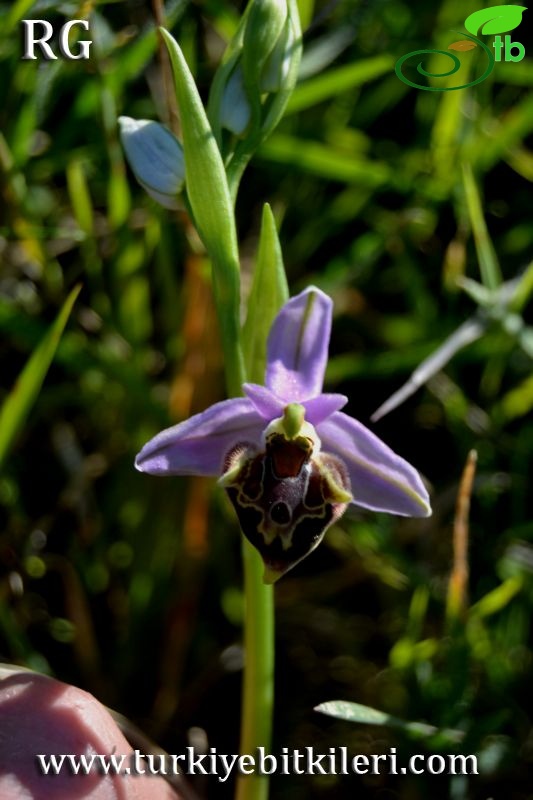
(130, 586)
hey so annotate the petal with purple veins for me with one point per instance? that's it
(380, 479)
(199, 445)
(297, 347)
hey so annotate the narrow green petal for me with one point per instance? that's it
(269, 293)
(212, 209)
(207, 187)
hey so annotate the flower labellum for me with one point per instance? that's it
(290, 461)
(156, 158)
(287, 495)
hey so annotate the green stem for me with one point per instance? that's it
(226, 292)
(258, 685)
(258, 680)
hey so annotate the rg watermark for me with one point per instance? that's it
(38, 33)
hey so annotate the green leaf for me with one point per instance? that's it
(355, 712)
(486, 150)
(339, 80)
(325, 161)
(518, 402)
(212, 209)
(18, 11)
(523, 290)
(497, 599)
(477, 292)
(79, 196)
(526, 340)
(498, 19)
(488, 260)
(19, 401)
(269, 292)
(205, 177)
(321, 53)
(305, 10)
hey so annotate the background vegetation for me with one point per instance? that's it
(130, 586)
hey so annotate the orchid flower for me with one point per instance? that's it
(289, 459)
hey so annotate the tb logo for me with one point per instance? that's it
(508, 46)
(489, 21)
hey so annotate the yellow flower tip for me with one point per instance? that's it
(423, 503)
(427, 510)
(424, 506)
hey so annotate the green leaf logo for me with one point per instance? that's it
(498, 19)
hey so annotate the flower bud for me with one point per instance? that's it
(265, 22)
(260, 69)
(156, 158)
(235, 108)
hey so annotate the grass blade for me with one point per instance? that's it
(19, 401)
(488, 261)
(336, 81)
